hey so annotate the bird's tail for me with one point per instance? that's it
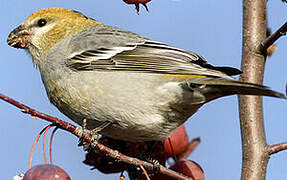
(213, 88)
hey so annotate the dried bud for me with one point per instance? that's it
(137, 2)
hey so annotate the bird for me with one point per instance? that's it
(124, 85)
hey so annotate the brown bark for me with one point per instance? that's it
(254, 146)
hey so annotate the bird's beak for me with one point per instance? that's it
(19, 38)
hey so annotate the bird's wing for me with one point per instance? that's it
(106, 48)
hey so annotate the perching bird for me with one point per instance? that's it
(125, 85)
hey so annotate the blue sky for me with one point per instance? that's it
(207, 27)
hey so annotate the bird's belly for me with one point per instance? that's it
(137, 108)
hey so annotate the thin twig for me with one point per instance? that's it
(35, 142)
(277, 148)
(145, 173)
(44, 143)
(272, 38)
(51, 141)
(32, 150)
(77, 131)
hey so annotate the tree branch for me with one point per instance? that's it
(254, 146)
(77, 131)
(272, 38)
(277, 148)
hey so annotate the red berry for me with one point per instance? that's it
(189, 168)
(136, 1)
(47, 172)
(186, 167)
(177, 143)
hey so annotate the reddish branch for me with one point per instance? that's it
(272, 38)
(277, 148)
(87, 137)
(262, 48)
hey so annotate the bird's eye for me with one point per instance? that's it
(42, 22)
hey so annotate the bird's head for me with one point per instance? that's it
(44, 28)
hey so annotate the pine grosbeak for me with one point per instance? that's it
(125, 85)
